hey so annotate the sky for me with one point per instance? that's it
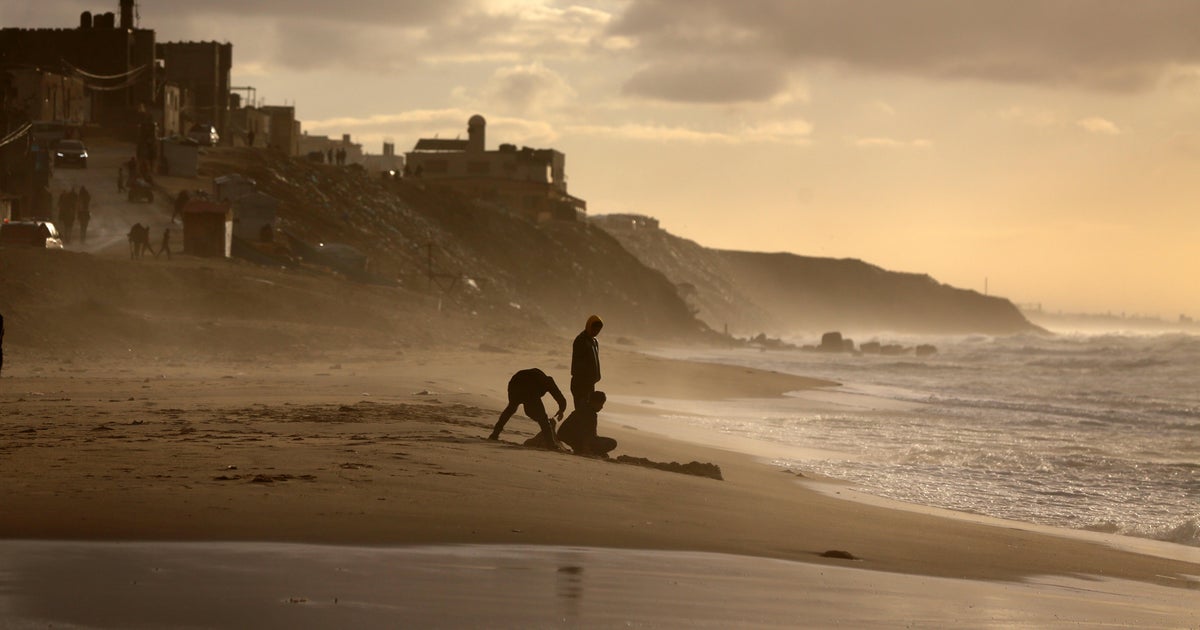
(1042, 150)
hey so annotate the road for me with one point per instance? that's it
(112, 213)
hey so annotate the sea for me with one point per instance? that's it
(1096, 431)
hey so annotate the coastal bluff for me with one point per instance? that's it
(784, 293)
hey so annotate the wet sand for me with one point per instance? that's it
(274, 585)
(388, 450)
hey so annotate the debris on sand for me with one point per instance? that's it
(700, 469)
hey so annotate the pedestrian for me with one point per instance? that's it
(180, 201)
(579, 429)
(83, 213)
(66, 213)
(250, 138)
(165, 246)
(585, 362)
(526, 388)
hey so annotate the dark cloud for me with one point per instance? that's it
(1095, 44)
(701, 81)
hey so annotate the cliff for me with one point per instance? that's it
(782, 294)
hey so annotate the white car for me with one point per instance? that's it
(29, 234)
(204, 135)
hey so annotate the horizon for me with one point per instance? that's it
(1011, 148)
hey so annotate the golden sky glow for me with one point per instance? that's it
(1050, 147)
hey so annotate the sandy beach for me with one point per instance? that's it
(388, 449)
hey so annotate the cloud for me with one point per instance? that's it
(708, 81)
(891, 143)
(527, 88)
(1031, 117)
(1095, 124)
(1088, 44)
(792, 132)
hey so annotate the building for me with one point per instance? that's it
(115, 61)
(284, 130)
(387, 163)
(48, 96)
(528, 181)
(202, 69)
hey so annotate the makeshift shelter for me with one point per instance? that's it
(179, 159)
(207, 228)
(232, 186)
(251, 212)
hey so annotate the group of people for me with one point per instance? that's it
(527, 387)
(336, 157)
(139, 242)
(74, 205)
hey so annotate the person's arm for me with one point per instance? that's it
(558, 397)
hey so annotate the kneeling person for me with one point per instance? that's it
(579, 429)
(527, 388)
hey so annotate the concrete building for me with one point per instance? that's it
(48, 96)
(114, 60)
(529, 181)
(387, 162)
(201, 68)
(284, 131)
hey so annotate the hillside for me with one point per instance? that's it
(783, 294)
(483, 257)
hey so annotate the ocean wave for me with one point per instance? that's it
(1184, 532)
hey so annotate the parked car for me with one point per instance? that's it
(140, 189)
(29, 234)
(70, 152)
(204, 135)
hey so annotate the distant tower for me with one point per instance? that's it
(127, 14)
(476, 127)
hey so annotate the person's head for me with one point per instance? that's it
(593, 325)
(597, 400)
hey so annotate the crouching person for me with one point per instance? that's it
(579, 429)
(526, 388)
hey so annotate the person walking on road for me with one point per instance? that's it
(83, 212)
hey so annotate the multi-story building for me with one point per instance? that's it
(529, 181)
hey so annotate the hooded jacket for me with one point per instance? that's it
(585, 354)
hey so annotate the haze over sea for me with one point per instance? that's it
(1098, 431)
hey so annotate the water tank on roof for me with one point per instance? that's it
(476, 127)
(85, 20)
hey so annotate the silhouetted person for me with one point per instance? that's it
(250, 138)
(66, 212)
(527, 388)
(180, 201)
(83, 213)
(579, 429)
(585, 362)
(139, 240)
(165, 245)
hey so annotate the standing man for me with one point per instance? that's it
(527, 388)
(84, 212)
(585, 363)
(66, 213)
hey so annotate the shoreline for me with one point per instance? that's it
(391, 451)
